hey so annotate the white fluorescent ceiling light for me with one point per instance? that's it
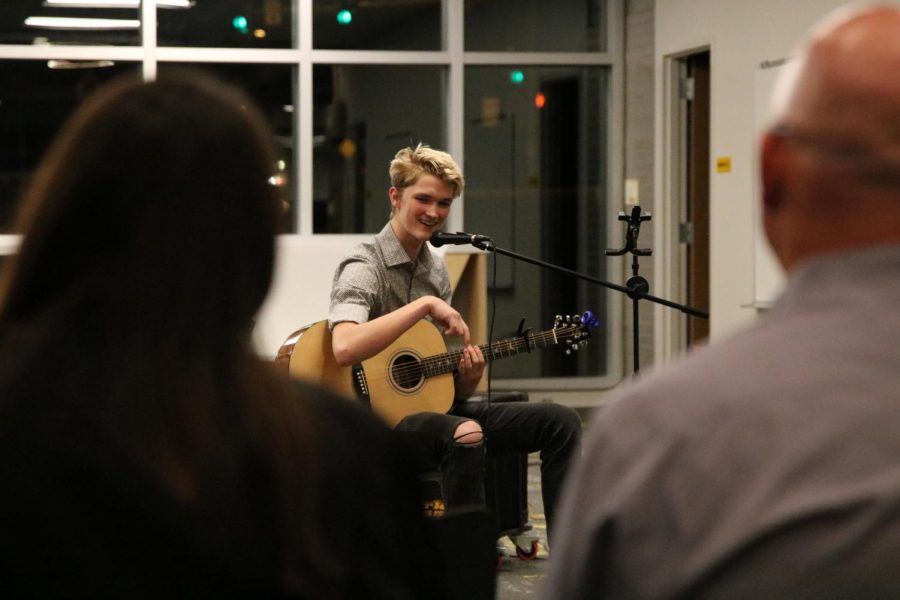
(68, 65)
(79, 23)
(117, 3)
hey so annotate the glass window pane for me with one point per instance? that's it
(377, 25)
(30, 115)
(228, 24)
(42, 22)
(536, 183)
(535, 26)
(272, 87)
(361, 116)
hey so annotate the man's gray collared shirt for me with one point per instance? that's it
(378, 277)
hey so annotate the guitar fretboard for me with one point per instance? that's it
(448, 362)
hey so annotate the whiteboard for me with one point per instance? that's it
(768, 276)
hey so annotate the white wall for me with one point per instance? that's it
(740, 36)
(300, 290)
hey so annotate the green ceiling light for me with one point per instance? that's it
(240, 23)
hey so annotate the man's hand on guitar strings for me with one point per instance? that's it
(471, 369)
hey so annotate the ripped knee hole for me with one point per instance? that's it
(468, 433)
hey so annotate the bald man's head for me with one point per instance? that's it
(831, 164)
(847, 85)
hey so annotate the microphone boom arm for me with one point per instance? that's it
(637, 287)
(488, 246)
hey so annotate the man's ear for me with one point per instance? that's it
(394, 195)
(772, 173)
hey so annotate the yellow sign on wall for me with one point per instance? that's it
(723, 164)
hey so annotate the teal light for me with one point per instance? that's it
(344, 17)
(517, 76)
(240, 23)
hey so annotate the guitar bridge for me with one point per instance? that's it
(359, 384)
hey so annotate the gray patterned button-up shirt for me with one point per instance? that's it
(378, 277)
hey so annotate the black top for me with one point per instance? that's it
(78, 517)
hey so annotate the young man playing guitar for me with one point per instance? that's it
(386, 286)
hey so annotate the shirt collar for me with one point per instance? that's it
(394, 253)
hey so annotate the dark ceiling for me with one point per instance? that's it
(376, 25)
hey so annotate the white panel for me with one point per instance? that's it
(300, 289)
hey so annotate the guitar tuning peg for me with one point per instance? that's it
(588, 319)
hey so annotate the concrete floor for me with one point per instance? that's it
(522, 578)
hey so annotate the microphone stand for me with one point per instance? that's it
(637, 288)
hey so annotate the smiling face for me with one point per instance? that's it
(419, 210)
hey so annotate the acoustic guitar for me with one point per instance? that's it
(415, 373)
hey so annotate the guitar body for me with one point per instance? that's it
(395, 387)
(309, 357)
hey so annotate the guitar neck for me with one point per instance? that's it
(448, 362)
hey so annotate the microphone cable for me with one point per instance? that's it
(490, 346)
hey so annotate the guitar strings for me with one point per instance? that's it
(423, 368)
(447, 362)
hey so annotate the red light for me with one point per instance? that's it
(540, 99)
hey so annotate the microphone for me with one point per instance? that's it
(440, 238)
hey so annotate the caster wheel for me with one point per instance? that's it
(527, 553)
(501, 555)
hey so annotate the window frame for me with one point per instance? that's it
(455, 60)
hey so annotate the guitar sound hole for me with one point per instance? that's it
(406, 372)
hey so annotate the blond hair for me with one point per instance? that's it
(410, 164)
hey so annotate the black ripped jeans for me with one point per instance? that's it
(509, 428)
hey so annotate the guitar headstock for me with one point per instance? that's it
(574, 330)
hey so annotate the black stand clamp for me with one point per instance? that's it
(638, 287)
